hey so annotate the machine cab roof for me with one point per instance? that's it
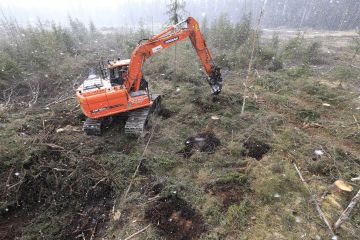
(119, 63)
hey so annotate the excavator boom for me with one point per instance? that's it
(173, 35)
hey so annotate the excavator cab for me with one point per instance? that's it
(118, 71)
(117, 75)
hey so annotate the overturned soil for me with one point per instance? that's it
(88, 221)
(175, 218)
(93, 214)
(48, 192)
(153, 188)
(227, 193)
(165, 113)
(203, 142)
(151, 185)
(12, 221)
(255, 148)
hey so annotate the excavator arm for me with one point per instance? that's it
(170, 36)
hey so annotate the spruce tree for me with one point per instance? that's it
(176, 10)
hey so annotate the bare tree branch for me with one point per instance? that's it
(251, 62)
(345, 215)
(123, 199)
(59, 101)
(138, 232)
(314, 200)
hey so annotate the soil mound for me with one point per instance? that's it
(203, 142)
(175, 218)
(227, 193)
(255, 148)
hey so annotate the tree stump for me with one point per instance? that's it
(336, 199)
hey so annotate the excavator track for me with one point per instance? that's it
(95, 127)
(138, 119)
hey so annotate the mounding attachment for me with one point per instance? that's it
(216, 81)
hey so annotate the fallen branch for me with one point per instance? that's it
(93, 231)
(35, 91)
(356, 121)
(9, 97)
(313, 198)
(59, 101)
(75, 108)
(53, 146)
(123, 199)
(345, 215)
(9, 178)
(137, 233)
(62, 169)
(20, 182)
(356, 179)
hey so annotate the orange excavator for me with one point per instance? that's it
(122, 88)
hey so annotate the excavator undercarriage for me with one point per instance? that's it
(136, 120)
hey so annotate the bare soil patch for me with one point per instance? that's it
(255, 148)
(165, 113)
(54, 182)
(227, 193)
(203, 142)
(175, 218)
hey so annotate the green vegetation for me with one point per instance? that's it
(306, 115)
(355, 46)
(288, 222)
(236, 216)
(345, 73)
(41, 61)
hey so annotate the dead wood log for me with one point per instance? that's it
(339, 189)
(345, 215)
(354, 66)
(117, 214)
(59, 101)
(211, 124)
(138, 232)
(356, 179)
(356, 122)
(51, 145)
(314, 200)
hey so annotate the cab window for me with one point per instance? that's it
(114, 73)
